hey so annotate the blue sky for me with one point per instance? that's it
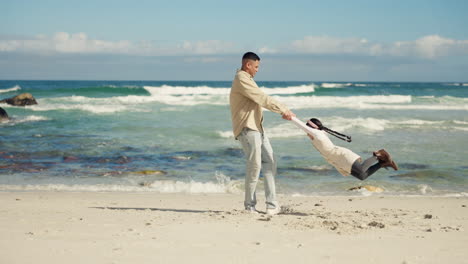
(204, 40)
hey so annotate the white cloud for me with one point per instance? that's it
(207, 47)
(79, 43)
(432, 46)
(203, 59)
(426, 47)
(63, 42)
(267, 50)
(331, 45)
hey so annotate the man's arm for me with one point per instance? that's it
(250, 90)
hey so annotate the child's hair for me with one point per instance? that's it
(329, 131)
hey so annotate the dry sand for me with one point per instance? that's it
(90, 227)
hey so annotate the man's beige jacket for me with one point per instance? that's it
(246, 100)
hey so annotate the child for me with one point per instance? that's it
(343, 159)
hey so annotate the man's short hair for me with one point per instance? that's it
(250, 56)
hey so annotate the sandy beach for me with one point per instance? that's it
(121, 227)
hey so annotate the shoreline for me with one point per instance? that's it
(211, 188)
(144, 227)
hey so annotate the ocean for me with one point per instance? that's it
(175, 136)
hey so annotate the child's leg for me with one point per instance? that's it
(365, 169)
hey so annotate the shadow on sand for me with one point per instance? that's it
(159, 209)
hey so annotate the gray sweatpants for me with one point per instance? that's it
(365, 169)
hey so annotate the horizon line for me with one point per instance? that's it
(187, 80)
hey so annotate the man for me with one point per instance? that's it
(246, 100)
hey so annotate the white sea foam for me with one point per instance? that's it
(369, 125)
(183, 90)
(220, 184)
(374, 124)
(15, 88)
(365, 85)
(190, 100)
(459, 122)
(73, 187)
(286, 129)
(156, 186)
(456, 84)
(124, 86)
(206, 90)
(93, 105)
(424, 188)
(442, 100)
(354, 102)
(364, 192)
(324, 167)
(416, 107)
(462, 194)
(294, 102)
(453, 84)
(172, 109)
(347, 124)
(225, 134)
(290, 90)
(390, 102)
(136, 103)
(417, 122)
(194, 187)
(97, 109)
(192, 96)
(32, 118)
(335, 85)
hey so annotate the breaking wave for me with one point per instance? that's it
(206, 90)
(136, 103)
(286, 130)
(335, 85)
(223, 184)
(127, 98)
(15, 88)
(32, 118)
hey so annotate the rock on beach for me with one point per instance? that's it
(3, 115)
(20, 100)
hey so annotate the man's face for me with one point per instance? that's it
(252, 67)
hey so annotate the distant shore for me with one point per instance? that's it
(122, 227)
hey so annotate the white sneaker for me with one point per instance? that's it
(273, 211)
(251, 210)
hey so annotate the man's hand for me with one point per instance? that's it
(310, 136)
(288, 115)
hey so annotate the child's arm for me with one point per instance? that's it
(310, 131)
